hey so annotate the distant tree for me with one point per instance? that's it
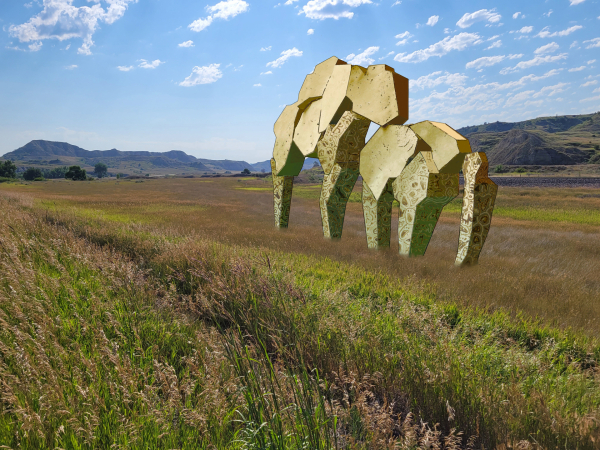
(246, 171)
(57, 172)
(32, 173)
(76, 173)
(8, 169)
(101, 170)
(262, 170)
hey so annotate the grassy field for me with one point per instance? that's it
(171, 314)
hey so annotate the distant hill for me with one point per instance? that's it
(49, 153)
(558, 140)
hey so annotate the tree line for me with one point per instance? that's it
(8, 169)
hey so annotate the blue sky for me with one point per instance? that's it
(211, 78)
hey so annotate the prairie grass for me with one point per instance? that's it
(203, 328)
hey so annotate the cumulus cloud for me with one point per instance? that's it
(482, 15)
(590, 83)
(268, 72)
(538, 60)
(549, 91)
(496, 44)
(71, 67)
(548, 14)
(545, 33)
(524, 30)
(60, 20)
(404, 37)
(576, 2)
(577, 69)
(186, 44)
(548, 48)
(459, 99)
(436, 78)
(591, 61)
(125, 68)
(35, 46)
(150, 64)
(362, 59)
(488, 61)
(459, 42)
(593, 43)
(257, 85)
(285, 55)
(203, 75)
(432, 20)
(516, 15)
(331, 9)
(266, 49)
(223, 10)
(311, 31)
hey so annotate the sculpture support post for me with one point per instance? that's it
(478, 205)
(378, 216)
(282, 197)
(422, 196)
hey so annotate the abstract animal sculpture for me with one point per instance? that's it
(418, 164)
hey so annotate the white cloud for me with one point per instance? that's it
(593, 43)
(574, 44)
(71, 67)
(447, 31)
(266, 49)
(203, 75)
(545, 33)
(549, 91)
(496, 44)
(591, 61)
(459, 100)
(59, 19)
(150, 64)
(548, 13)
(596, 91)
(459, 42)
(590, 83)
(331, 9)
(285, 55)
(576, 2)
(482, 15)
(538, 60)
(589, 99)
(432, 20)
(548, 48)
(389, 54)
(525, 30)
(362, 58)
(35, 46)
(258, 84)
(404, 37)
(289, 2)
(435, 79)
(516, 15)
(399, 2)
(311, 31)
(518, 98)
(186, 44)
(577, 69)
(223, 10)
(488, 61)
(125, 68)
(268, 72)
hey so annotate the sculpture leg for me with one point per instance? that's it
(378, 215)
(336, 190)
(478, 206)
(422, 196)
(282, 197)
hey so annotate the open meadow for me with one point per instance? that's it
(170, 313)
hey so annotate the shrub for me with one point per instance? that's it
(8, 169)
(76, 173)
(32, 173)
(246, 171)
(101, 170)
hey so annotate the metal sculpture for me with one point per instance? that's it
(418, 165)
